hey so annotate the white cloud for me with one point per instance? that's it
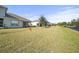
(30, 16)
(66, 15)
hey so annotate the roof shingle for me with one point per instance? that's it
(16, 16)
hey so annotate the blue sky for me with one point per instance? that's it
(53, 13)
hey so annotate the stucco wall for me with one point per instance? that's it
(8, 22)
(34, 23)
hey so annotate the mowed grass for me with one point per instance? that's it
(53, 39)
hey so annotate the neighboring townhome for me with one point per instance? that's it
(10, 20)
(35, 23)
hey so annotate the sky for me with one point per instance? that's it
(53, 13)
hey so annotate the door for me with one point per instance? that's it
(1, 22)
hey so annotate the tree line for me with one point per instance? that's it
(73, 22)
(43, 22)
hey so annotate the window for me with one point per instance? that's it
(14, 23)
(1, 22)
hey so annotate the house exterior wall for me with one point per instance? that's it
(2, 12)
(8, 23)
(34, 23)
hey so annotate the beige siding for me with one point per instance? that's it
(8, 22)
(2, 12)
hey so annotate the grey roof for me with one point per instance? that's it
(1, 6)
(16, 16)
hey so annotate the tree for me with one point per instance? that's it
(43, 21)
(77, 22)
(68, 23)
(62, 23)
(73, 22)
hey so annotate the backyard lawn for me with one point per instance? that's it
(53, 39)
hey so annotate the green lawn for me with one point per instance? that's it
(53, 39)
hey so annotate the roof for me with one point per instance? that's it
(1, 6)
(17, 17)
